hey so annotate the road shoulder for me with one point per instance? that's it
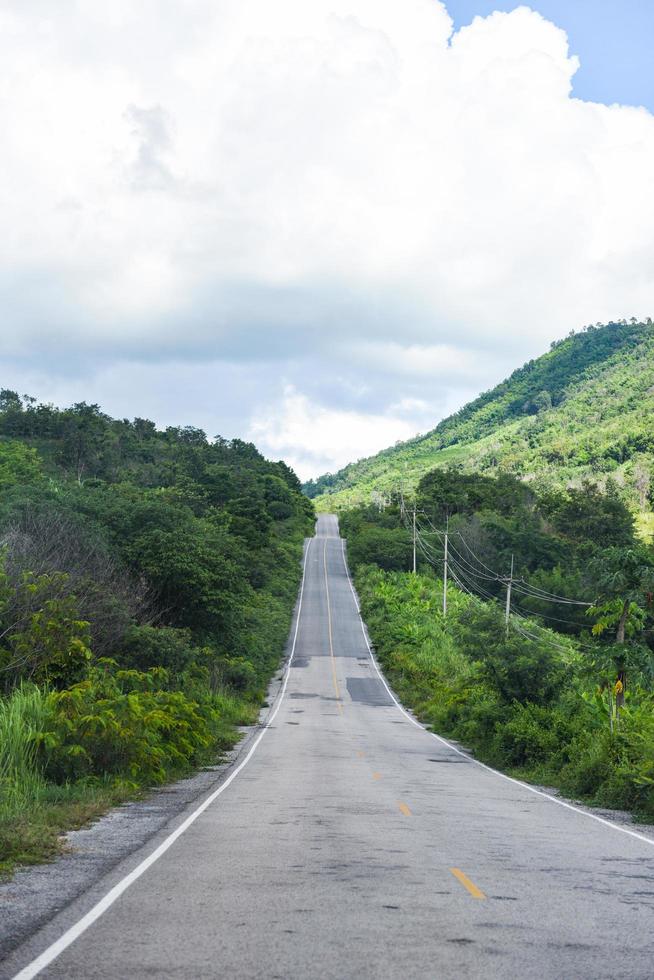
(35, 895)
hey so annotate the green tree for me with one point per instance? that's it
(519, 668)
(85, 435)
(624, 579)
(389, 548)
(19, 464)
(53, 646)
(588, 515)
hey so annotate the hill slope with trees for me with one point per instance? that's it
(582, 410)
(147, 581)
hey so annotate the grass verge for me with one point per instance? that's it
(36, 810)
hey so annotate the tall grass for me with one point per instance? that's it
(37, 805)
(23, 718)
(34, 812)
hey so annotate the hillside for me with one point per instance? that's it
(583, 409)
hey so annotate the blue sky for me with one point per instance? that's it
(612, 39)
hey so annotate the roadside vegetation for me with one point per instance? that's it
(147, 581)
(563, 692)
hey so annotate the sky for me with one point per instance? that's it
(322, 225)
(612, 39)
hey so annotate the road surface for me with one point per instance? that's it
(352, 843)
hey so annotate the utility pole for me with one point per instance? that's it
(509, 583)
(447, 536)
(414, 537)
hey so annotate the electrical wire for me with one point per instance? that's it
(472, 574)
(464, 561)
(526, 587)
(473, 589)
(519, 584)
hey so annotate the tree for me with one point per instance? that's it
(42, 636)
(83, 436)
(642, 482)
(42, 538)
(517, 667)
(19, 464)
(588, 515)
(624, 579)
(443, 493)
(390, 549)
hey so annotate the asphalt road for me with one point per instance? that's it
(352, 843)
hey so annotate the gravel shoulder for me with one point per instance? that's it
(35, 894)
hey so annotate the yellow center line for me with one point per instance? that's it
(329, 627)
(376, 775)
(469, 885)
(404, 809)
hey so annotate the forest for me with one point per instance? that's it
(541, 660)
(583, 410)
(147, 582)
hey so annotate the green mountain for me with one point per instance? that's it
(582, 410)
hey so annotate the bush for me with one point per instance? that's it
(238, 673)
(592, 760)
(124, 724)
(518, 667)
(476, 717)
(49, 643)
(390, 548)
(163, 646)
(529, 735)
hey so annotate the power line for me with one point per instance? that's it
(522, 586)
(464, 561)
(467, 576)
(528, 589)
(476, 557)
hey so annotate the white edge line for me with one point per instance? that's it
(482, 765)
(75, 931)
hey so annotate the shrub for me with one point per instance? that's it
(592, 759)
(530, 735)
(238, 673)
(390, 548)
(518, 667)
(148, 646)
(52, 645)
(124, 724)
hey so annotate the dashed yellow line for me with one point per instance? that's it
(404, 809)
(467, 884)
(331, 638)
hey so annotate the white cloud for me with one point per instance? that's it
(315, 439)
(341, 185)
(443, 363)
